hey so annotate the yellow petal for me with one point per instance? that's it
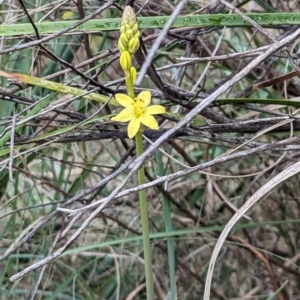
(145, 96)
(124, 116)
(155, 110)
(133, 127)
(124, 100)
(149, 121)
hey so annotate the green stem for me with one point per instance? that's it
(145, 223)
(169, 228)
(130, 87)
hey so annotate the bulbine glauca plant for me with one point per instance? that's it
(136, 109)
(139, 113)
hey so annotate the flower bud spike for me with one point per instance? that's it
(130, 34)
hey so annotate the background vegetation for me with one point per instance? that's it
(59, 149)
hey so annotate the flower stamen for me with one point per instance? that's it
(138, 107)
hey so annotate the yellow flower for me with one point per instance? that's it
(137, 111)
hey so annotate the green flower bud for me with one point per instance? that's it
(133, 74)
(124, 39)
(137, 35)
(122, 29)
(129, 34)
(121, 46)
(134, 45)
(135, 28)
(125, 61)
(127, 27)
